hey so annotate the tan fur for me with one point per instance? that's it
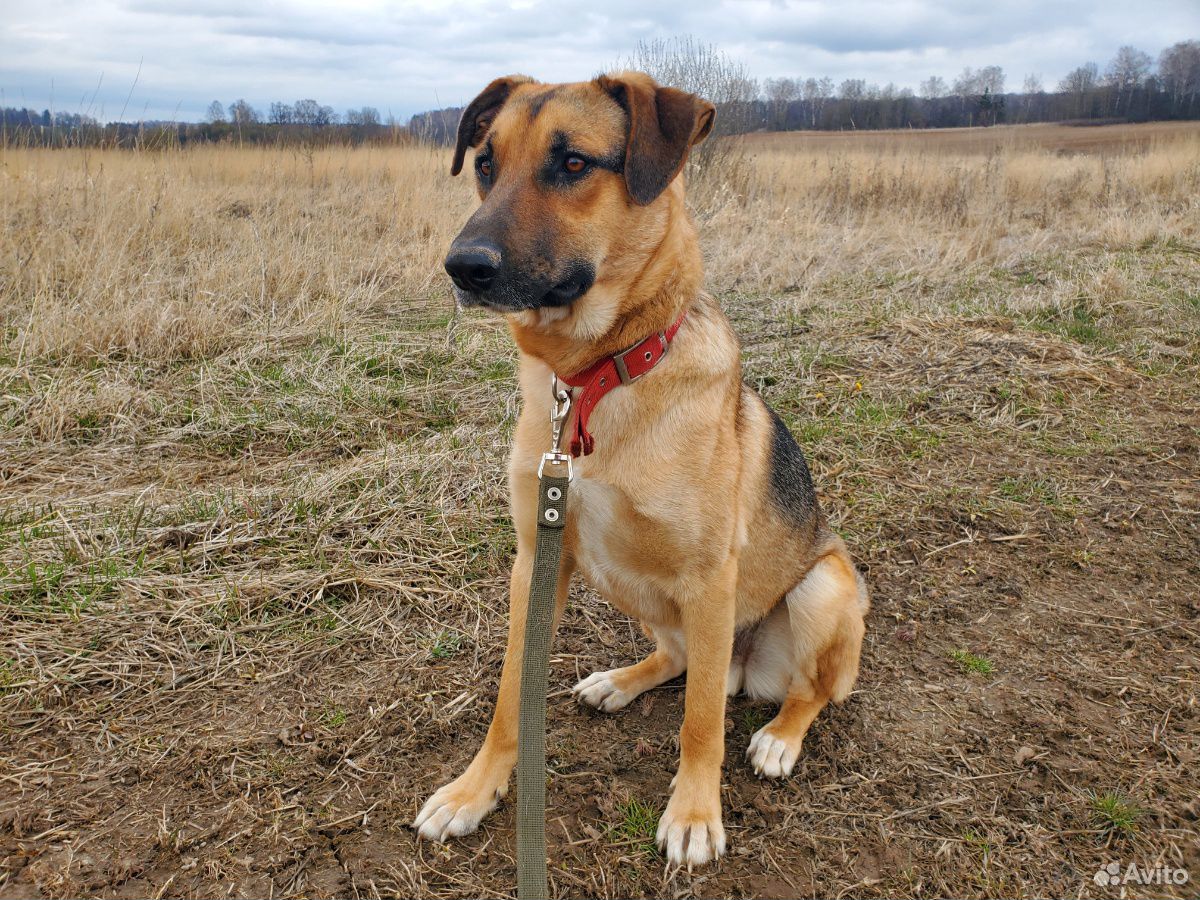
(671, 520)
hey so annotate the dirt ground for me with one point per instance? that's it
(295, 773)
(252, 601)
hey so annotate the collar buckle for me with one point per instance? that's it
(619, 358)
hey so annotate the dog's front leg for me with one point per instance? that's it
(690, 829)
(458, 807)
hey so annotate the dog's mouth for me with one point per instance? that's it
(515, 297)
(570, 289)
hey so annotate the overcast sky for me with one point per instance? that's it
(410, 55)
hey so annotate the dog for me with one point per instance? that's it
(694, 510)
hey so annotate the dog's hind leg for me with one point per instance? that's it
(825, 612)
(617, 688)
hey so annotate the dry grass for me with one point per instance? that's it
(253, 533)
(1107, 140)
(183, 254)
(842, 207)
(158, 256)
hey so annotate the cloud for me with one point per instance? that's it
(404, 57)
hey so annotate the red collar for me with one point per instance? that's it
(601, 377)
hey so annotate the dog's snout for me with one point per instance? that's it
(473, 268)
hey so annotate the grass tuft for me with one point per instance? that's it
(972, 664)
(636, 825)
(334, 717)
(754, 718)
(1113, 813)
(444, 645)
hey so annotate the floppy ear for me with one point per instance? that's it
(478, 116)
(664, 124)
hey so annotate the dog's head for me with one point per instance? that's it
(567, 174)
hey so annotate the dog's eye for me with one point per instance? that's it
(575, 165)
(484, 165)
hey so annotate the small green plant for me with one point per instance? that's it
(636, 825)
(1078, 322)
(334, 717)
(1028, 491)
(1115, 814)
(975, 838)
(279, 766)
(969, 662)
(444, 645)
(754, 718)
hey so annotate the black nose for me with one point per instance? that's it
(473, 268)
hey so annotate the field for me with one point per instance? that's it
(254, 537)
(1113, 140)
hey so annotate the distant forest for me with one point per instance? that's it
(1131, 88)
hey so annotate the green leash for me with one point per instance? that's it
(539, 621)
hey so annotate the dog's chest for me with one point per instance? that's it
(632, 557)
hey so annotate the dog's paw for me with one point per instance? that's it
(600, 690)
(457, 808)
(691, 833)
(770, 755)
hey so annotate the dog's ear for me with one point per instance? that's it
(664, 125)
(477, 118)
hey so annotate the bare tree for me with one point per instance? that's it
(815, 94)
(1081, 83)
(1127, 72)
(1033, 97)
(281, 114)
(780, 92)
(967, 83)
(216, 112)
(306, 112)
(990, 80)
(1080, 80)
(368, 115)
(1179, 70)
(1128, 68)
(852, 89)
(933, 87)
(242, 113)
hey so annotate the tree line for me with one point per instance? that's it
(1132, 87)
(308, 113)
(305, 122)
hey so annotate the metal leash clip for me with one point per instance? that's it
(559, 410)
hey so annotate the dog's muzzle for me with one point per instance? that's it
(482, 277)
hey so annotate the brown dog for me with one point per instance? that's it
(696, 512)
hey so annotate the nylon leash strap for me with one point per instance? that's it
(554, 475)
